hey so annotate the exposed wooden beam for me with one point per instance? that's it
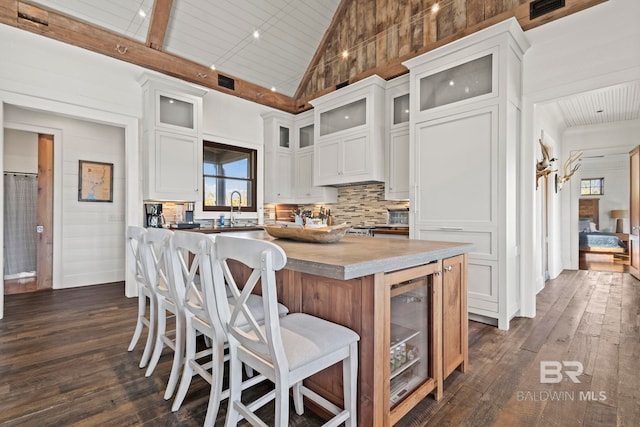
(58, 26)
(158, 25)
(384, 62)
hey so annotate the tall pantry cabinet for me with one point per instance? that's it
(464, 151)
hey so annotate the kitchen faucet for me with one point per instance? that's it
(232, 220)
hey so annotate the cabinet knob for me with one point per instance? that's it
(448, 268)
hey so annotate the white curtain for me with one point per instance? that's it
(20, 217)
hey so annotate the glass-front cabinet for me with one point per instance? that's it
(426, 330)
(171, 139)
(278, 155)
(409, 338)
(397, 139)
(413, 310)
(344, 117)
(349, 143)
(461, 82)
(175, 112)
(305, 191)
(305, 136)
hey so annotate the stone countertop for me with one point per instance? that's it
(356, 256)
(223, 229)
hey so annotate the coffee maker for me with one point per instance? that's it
(188, 213)
(153, 217)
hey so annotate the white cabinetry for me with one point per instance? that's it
(278, 157)
(349, 134)
(171, 139)
(289, 153)
(305, 191)
(464, 142)
(397, 139)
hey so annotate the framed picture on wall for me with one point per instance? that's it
(95, 181)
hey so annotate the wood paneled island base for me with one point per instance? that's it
(352, 283)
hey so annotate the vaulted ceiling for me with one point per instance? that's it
(280, 53)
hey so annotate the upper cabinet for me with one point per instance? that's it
(396, 148)
(305, 191)
(288, 167)
(171, 139)
(349, 130)
(278, 157)
(464, 142)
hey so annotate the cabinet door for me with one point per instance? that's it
(284, 177)
(327, 163)
(397, 185)
(304, 175)
(174, 169)
(455, 166)
(177, 113)
(454, 315)
(355, 156)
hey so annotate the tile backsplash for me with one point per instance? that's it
(357, 204)
(363, 205)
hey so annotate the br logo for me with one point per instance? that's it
(552, 372)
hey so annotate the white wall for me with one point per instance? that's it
(92, 233)
(548, 128)
(20, 151)
(591, 49)
(235, 121)
(52, 77)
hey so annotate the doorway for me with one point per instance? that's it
(28, 235)
(602, 187)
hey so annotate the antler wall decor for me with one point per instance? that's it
(569, 168)
(543, 167)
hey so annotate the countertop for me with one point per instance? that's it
(356, 256)
(223, 229)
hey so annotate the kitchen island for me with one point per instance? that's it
(353, 282)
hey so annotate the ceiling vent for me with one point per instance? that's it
(538, 8)
(226, 82)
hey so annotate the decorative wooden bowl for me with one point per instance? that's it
(311, 235)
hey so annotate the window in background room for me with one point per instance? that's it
(592, 187)
(227, 169)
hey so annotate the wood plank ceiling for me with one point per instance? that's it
(300, 48)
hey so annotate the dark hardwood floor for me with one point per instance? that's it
(63, 361)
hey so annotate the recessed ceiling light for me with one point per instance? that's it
(213, 67)
(451, 83)
(435, 8)
(345, 53)
(142, 13)
(346, 117)
(256, 34)
(273, 88)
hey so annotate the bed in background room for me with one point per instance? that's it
(595, 245)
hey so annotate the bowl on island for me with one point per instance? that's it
(308, 234)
